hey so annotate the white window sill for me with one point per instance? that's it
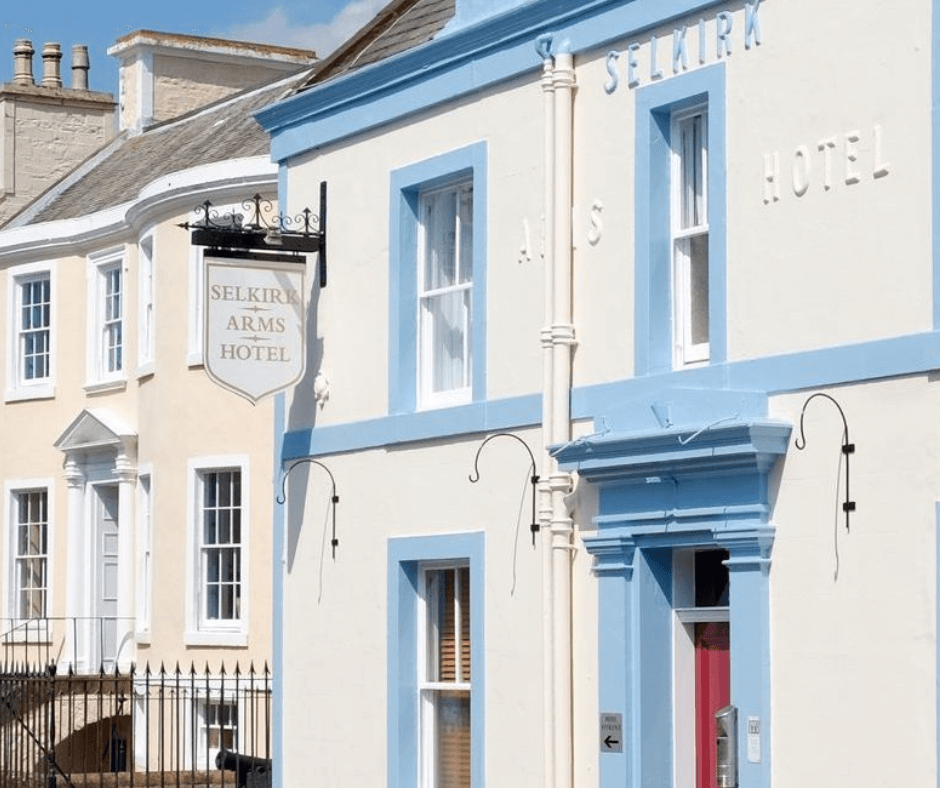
(145, 370)
(194, 359)
(446, 399)
(142, 637)
(102, 386)
(44, 391)
(210, 637)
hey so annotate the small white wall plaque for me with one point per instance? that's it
(611, 732)
(753, 739)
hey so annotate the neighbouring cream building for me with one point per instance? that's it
(686, 253)
(137, 495)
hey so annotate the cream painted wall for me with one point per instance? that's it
(859, 644)
(179, 86)
(355, 343)
(336, 610)
(852, 263)
(179, 415)
(834, 266)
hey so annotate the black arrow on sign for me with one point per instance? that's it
(609, 743)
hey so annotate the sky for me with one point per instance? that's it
(318, 24)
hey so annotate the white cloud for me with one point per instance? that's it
(277, 28)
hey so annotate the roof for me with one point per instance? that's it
(200, 46)
(398, 27)
(220, 131)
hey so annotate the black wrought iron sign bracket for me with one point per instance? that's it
(334, 498)
(260, 228)
(848, 449)
(534, 477)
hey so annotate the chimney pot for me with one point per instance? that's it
(51, 55)
(80, 66)
(23, 62)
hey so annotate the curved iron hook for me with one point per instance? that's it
(848, 448)
(534, 478)
(334, 499)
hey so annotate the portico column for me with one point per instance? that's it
(76, 562)
(125, 469)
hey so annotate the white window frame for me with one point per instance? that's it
(205, 756)
(199, 630)
(18, 387)
(35, 630)
(426, 709)
(687, 351)
(190, 748)
(428, 398)
(194, 354)
(100, 265)
(144, 594)
(146, 304)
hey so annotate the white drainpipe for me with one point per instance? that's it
(562, 330)
(545, 496)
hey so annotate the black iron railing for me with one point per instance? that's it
(137, 727)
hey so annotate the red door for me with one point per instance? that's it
(712, 692)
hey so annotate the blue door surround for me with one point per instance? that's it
(701, 485)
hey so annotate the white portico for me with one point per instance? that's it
(101, 473)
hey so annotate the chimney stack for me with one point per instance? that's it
(51, 55)
(80, 67)
(23, 62)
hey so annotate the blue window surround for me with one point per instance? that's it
(406, 185)
(656, 495)
(405, 554)
(655, 105)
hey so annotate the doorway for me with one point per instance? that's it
(105, 597)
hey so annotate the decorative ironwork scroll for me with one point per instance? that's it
(260, 228)
(534, 477)
(334, 498)
(848, 449)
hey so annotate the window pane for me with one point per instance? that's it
(448, 332)
(698, 284)
(31, 558)
(692, 171)
(465, 228)
(34, 329)
(452, 739)
(221, 547)
(440, 236)
(711, 578)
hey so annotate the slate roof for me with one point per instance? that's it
(400, 26)
(114, 175)
(227, 128)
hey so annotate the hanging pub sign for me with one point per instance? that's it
(254, 338)
(255, 327)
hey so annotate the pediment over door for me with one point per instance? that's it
(95, 430)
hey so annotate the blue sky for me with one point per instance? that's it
(318, 25)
